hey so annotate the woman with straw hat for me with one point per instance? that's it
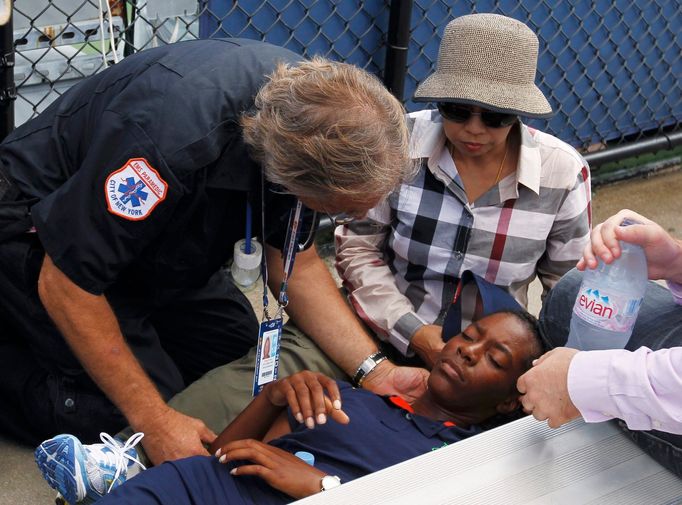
(492, 195)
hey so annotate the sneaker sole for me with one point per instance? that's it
(61, 461)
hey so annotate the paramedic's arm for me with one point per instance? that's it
(317, 308)
(89, 326)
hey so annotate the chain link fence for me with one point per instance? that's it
(611, 68)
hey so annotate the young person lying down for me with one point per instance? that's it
(351, 432)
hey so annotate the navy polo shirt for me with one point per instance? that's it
(380, 434)
(140, 172)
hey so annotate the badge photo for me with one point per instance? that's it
(134, 190)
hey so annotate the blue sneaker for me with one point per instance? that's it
(80, 471)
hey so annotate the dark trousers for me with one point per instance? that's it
(177, 335)
(659, 326)
(198, 480)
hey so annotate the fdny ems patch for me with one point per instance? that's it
(134, 190)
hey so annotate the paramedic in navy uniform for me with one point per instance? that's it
(121, 202)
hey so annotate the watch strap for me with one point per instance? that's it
(367, 366)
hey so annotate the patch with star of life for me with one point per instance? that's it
(134, 190)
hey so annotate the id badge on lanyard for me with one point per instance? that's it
(270, 332)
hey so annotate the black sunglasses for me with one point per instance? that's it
(461, 114)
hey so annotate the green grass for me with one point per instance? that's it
(640, 160)
(637, 165)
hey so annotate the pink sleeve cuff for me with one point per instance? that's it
(588, 385)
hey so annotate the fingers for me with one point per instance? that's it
(521, 385)
(262, 455)
(640, 234)
(332, 399)
(538, 415)
(206, 435)
(604, 239)
(544, 357)
(257, 470)
(530, 408)
(598, 247)
(280, 469)
(311, 397)
(337, 415)
(247, 450)
(554, 423)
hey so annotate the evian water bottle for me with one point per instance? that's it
(607, 304)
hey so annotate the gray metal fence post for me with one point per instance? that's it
(398, 40)
(8, 91)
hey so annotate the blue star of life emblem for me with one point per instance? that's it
(132, 192)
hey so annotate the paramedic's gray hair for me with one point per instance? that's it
(323, 128)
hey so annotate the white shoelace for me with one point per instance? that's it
(121, 453)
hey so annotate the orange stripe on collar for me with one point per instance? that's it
(399, 402)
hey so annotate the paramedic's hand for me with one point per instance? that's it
(311, 396)
(172, 435)
(280, 469)
(388, 379)
(663, 252)
(544, 389)
(427, 342)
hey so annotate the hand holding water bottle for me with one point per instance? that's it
(616, 265)
(663, 252)
(547, 390)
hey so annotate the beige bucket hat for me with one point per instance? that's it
(490, 61)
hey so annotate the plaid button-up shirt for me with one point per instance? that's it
(401, 264)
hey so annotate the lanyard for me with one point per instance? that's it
(289, 253)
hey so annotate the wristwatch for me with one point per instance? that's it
(329, 482)
(367, 366)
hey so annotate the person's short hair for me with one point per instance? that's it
(537, 348)
(323, 128)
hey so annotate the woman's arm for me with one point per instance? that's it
(253, 422)
(360, 262)
(570, 232)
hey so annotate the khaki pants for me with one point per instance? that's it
(221, 394)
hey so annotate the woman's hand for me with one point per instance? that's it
(311, 396)
(427, 342)
(280, 469)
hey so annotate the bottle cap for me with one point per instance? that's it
(306, 456)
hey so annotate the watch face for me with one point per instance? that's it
(330, 482)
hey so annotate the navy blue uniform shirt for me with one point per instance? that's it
(140, 173)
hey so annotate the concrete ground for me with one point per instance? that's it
(658, 198)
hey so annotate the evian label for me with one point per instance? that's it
(134, 190)
(606, 310)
